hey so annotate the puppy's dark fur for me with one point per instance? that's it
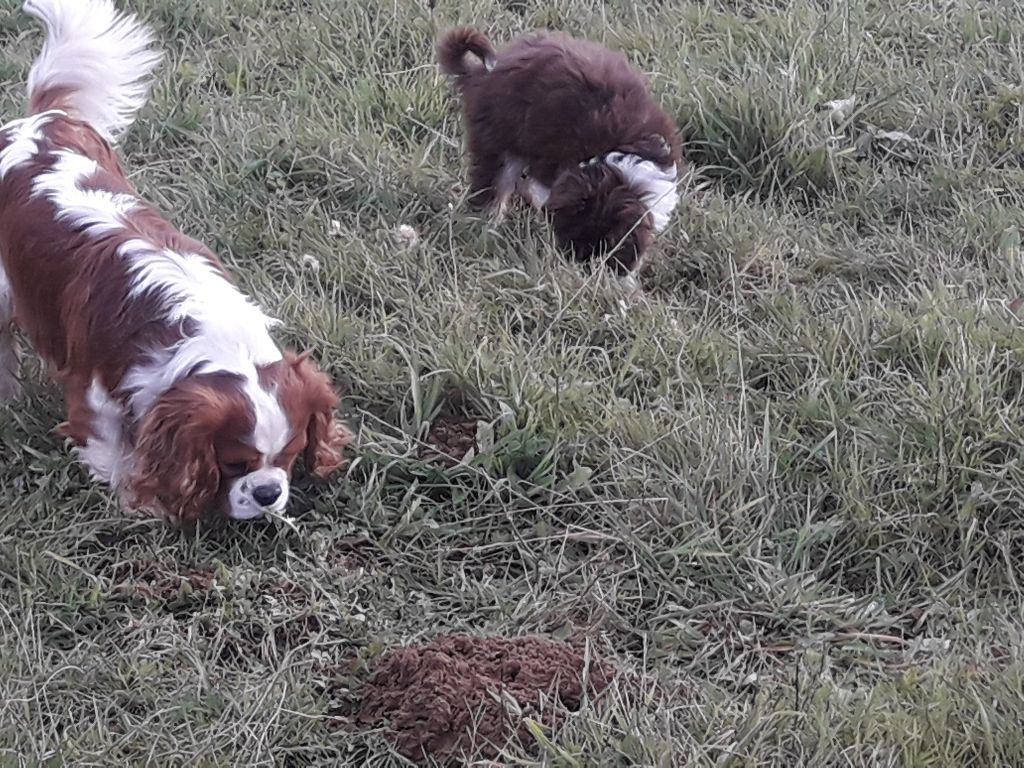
(553, 106)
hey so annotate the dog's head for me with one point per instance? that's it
(596, 213)
(222, 440)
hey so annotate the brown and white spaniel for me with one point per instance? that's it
(176, 394)
(572, 127)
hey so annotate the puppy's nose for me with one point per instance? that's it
(265, 495)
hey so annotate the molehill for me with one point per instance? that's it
(467, 695)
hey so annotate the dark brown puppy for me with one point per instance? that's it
(571, 126)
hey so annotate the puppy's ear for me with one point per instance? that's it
(575, 186)
(571, 206)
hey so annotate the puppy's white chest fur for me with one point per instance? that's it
(656, 185)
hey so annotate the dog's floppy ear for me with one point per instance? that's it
(577, 185)
(175, 464)
(325, 435)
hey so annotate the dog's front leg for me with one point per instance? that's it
(506, 184)
(80, 414)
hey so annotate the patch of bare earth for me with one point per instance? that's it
(451, 437)
(461, 695)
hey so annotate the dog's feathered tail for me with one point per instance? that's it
(95, 63)
(453, 46)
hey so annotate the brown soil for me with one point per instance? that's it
(467, 695)
(452, 437)
(151, 579)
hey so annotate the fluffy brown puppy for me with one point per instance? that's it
(572, 127)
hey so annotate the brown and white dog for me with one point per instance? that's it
(176, 394)
(572, 127)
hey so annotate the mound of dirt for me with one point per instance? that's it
(451, 437)
(467, 695)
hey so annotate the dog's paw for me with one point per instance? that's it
(497, 214)
(630, 290)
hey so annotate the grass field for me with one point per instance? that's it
(784, 494)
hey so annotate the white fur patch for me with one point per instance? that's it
(536, 194)
(272, 430)
(101, 57)
(241, 503)
(656, 185)
(232, 334)
(22, 139)
(629, 285)
(96, 211)
(105, 452)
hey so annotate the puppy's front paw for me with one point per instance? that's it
(498, 214)
(630, 290)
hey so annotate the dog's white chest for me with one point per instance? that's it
(657, 186)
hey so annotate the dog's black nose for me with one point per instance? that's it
(265, 495)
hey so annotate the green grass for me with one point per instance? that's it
(783, 495)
